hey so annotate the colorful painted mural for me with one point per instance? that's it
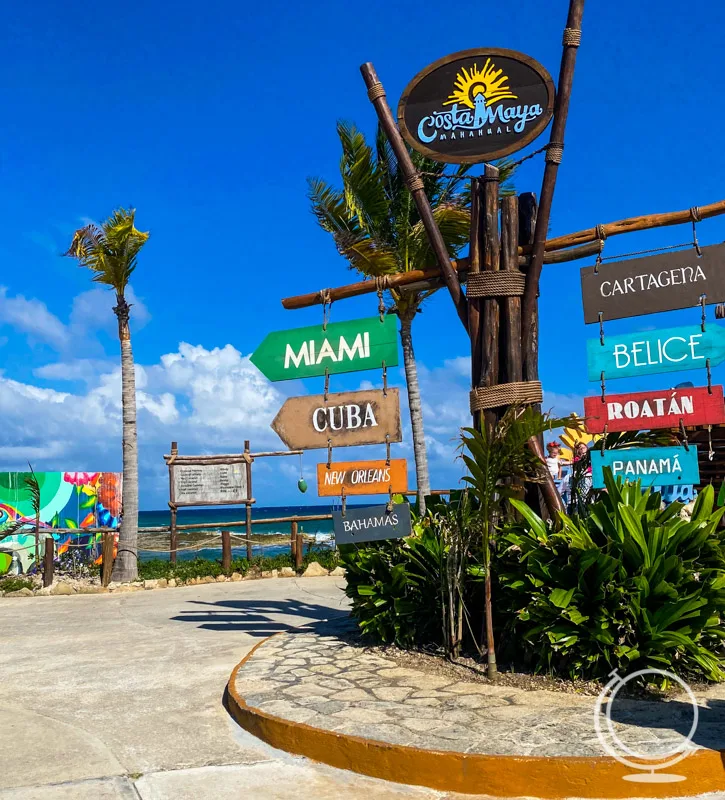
(70, 500)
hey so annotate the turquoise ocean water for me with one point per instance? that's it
(321, 529)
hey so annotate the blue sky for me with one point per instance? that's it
(209, 119)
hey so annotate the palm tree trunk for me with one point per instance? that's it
(125, 567)
(416, 410)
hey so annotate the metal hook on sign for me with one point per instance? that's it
(602, 236)
(684, 435)
(601, 329)
(603, 388)
(387, 449)
(709, 376)
(385, 379)
(343, 501)
(327, 384)
(710, 451)
(703, 297)
(389, 507)
(696, 217)
(329, 453)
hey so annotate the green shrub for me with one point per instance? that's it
(630, 586)
(15, 584)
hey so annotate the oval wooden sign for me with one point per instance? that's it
(476, 105)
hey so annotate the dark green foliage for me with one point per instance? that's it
(395, 588)
(202, 567)
(630, 586)
(15, 584)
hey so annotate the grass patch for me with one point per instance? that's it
(15, 584)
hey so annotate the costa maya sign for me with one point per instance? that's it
(662, 409)
(664, 282)
(476, 105)
(650, 352)
(340, 419)
(342, 347)
(654, 466)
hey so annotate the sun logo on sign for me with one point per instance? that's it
(477, 88)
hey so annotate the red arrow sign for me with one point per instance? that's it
(663, 409)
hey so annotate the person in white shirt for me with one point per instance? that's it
(553, 461)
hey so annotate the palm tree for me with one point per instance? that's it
(33, 487)
(110, 251)
(375, 224)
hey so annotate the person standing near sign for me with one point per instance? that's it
(553, 460)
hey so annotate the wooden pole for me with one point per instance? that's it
(490, 315)
(528, 211)
(293, 541)
(173, 535)
(511, 366)
(298, 545)
(248, 508)
(226, 552)
(572, 36)
(414, 182)
(48, 562)
(107, 558)
(474, 303)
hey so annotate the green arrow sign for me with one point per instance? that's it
(646, 353)
(343, 347)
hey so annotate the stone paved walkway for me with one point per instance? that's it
(322, 677)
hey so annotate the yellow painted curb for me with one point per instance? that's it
(546, 778)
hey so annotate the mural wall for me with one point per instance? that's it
(74, 500)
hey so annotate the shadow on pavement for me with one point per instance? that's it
(676, 716)
(257, 617)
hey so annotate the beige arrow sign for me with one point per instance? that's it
(345, 418)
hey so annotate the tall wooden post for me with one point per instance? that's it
(474, 303)
(226, 552)
(511, 355)
(490, 315)
(106, 559)
(554, 151)
(248, 507)
(173, 533)
(414, 182)
(48, 563)
(298, 545)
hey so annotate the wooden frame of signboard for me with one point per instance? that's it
(244, 486)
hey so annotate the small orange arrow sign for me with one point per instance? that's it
(362, 477)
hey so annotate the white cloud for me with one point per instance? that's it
(33, 318)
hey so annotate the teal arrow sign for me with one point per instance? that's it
(646, 353)
(343, 347)
(654, 466)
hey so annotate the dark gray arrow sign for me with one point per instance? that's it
(371, 524)
(663, 282)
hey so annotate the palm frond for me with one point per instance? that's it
(33, 488)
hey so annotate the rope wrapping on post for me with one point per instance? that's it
(375, 91)
(554, 152)
(415, 182)
(502, 283)
(572, 37)
(505, 394)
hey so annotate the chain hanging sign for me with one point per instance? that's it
(476, 105)
(650, 352)
(362, 477)
(653, 466)
(340, 419)
(664, 282)
(372, 524)
(667, 408)
(341, 347)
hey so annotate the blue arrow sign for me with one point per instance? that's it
(646, 353)
(654, 466)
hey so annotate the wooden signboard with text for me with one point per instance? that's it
(372, 524)
(653, 466)
(362, 477)
(345, 418)
(664, 282)
(638, 411)
(209, 484)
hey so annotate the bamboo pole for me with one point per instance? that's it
(572, 34)
(491, 260)
(414, 182)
